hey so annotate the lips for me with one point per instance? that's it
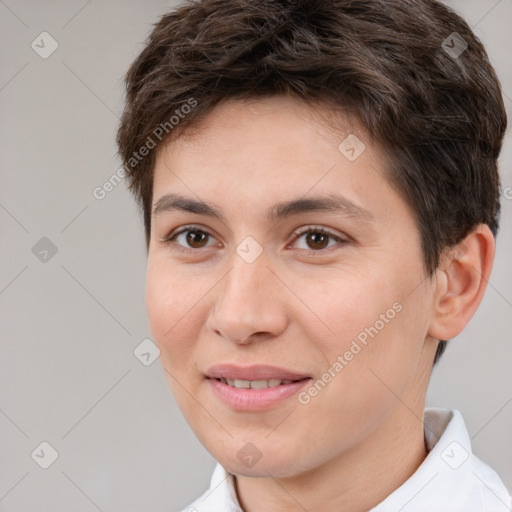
(232, 372)
(254, 388)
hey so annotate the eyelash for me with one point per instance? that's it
(309, 229)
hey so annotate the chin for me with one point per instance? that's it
(250, 462)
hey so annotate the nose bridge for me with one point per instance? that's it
(246, 285)
(249, 273)
(247, 303)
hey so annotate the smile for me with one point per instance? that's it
(254, 384)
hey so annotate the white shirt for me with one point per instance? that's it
(450, 479)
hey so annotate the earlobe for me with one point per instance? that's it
(461, 281)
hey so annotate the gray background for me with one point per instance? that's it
(69, 325)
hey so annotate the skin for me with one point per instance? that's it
(300, 306)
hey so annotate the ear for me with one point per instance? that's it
(461, 281)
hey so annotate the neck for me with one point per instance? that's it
(354, 481)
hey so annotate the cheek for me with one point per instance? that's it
(371, 357)
(371, 320)
(347, 305)
(172, 306)
(173, 311)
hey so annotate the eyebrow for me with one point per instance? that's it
(324, 203)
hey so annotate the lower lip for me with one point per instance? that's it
(243, 399)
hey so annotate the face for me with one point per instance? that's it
(276, 254)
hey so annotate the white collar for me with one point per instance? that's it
(450, 479)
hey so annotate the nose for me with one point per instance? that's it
(249, 305)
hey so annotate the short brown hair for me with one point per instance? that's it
(437, 113)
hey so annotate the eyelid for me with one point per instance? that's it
(320, 229)
(183, 229)
(187, 227)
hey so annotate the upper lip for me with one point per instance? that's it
(253, 372)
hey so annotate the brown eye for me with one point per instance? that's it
(317, 240)
(196, 239)
(189, 239)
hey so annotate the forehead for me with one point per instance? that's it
(247, 115)
(256, 154)
(277, 133)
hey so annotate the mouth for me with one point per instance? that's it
(254, 388)
(257, 384)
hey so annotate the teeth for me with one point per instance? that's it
(255, 384)
(241, 383)
(259, 384)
